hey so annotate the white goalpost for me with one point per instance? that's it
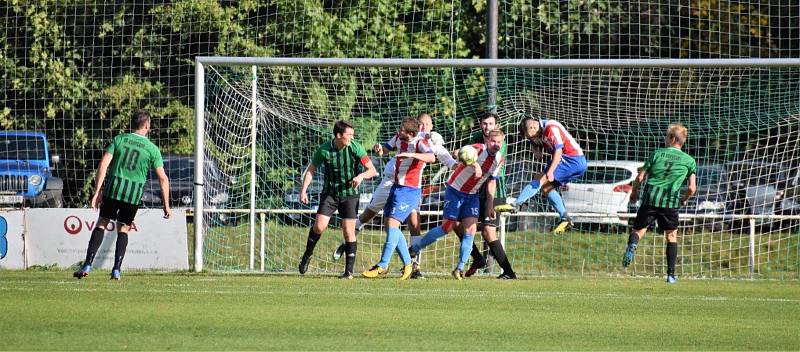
(257, 121)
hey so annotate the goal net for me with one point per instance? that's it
(259, 122)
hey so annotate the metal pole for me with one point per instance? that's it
(199, 122)
(751, 260)
(502, 230)
(491, 53)
(253, 132)
(263, 235)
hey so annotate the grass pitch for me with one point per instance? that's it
(50, 310)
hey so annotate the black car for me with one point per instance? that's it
(180, 171)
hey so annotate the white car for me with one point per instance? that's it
(604, 189)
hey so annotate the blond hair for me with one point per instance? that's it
(677, 134)
(496, 132)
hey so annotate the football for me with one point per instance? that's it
(467, 155)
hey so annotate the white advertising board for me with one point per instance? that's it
(12, 239)
(60, 236)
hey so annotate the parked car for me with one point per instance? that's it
(26, 171)
(605, 188)
(180, 170)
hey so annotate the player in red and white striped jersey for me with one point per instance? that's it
(461, 199)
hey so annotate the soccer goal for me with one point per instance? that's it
(258, 121)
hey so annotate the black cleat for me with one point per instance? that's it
(507, 276)
(416, 274)
(80, 274)
(338, 252)
(303, 267)
(474, 267)
(346, 276)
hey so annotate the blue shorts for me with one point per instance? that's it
(569, 169)
(401, 202)
(459, 205)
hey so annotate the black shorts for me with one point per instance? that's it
(347, 206)
(667, 218)
(118, 210)
(483, 212)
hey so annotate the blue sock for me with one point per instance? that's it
(466, 249)
(555, 199)
(529, 191)
(393, 234)
(402, 250)
(432, 236)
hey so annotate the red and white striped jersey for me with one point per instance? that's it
(463, 178)
(557, 137)
(408, 171)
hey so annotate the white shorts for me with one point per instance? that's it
(380, 195)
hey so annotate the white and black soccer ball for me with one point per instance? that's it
(467, 155)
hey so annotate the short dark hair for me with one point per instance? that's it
(488, 115)
(410, 124)
(340, 126)
(139, 118)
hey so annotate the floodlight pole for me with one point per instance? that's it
(491, 53)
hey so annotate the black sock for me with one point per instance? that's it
(119, 252)
(672, 257)
(94, 244)
(350, 256)
(477, 257)
(633, 238)
(500, 255)
(311, 243)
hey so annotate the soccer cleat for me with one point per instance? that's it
(505, 208)
(84, 272)
(562, 226)
(338, 252)
(303, 267)
(374, 272)
(407, 271)
(474, 267)
(416, 274)
(458, 274)
(115, 275)
(671, 279)
(507, 276)
(628, 257)
(346, 276)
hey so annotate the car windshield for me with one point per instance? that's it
(605, 174)
(708, 175)
(21, 148)
(182, 169)
(757, 174)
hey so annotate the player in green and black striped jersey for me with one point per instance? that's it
(345, 165)
(126, 163)
(665, 172)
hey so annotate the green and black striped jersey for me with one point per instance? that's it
(134, 156)
(339, 167)
(666, 170)
(500, 186)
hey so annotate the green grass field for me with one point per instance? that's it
(50, 310)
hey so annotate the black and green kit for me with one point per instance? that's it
(667, 168)
(134, 156)
(340, 166)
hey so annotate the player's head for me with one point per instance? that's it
(425, 122)
(676, 135)
(488, 123)
(494, 141)
(529, 128)
(408, 128)
(343, 132)
(140, 120)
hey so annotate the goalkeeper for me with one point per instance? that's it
(341, 159)
(665, 172)
(567, 164)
